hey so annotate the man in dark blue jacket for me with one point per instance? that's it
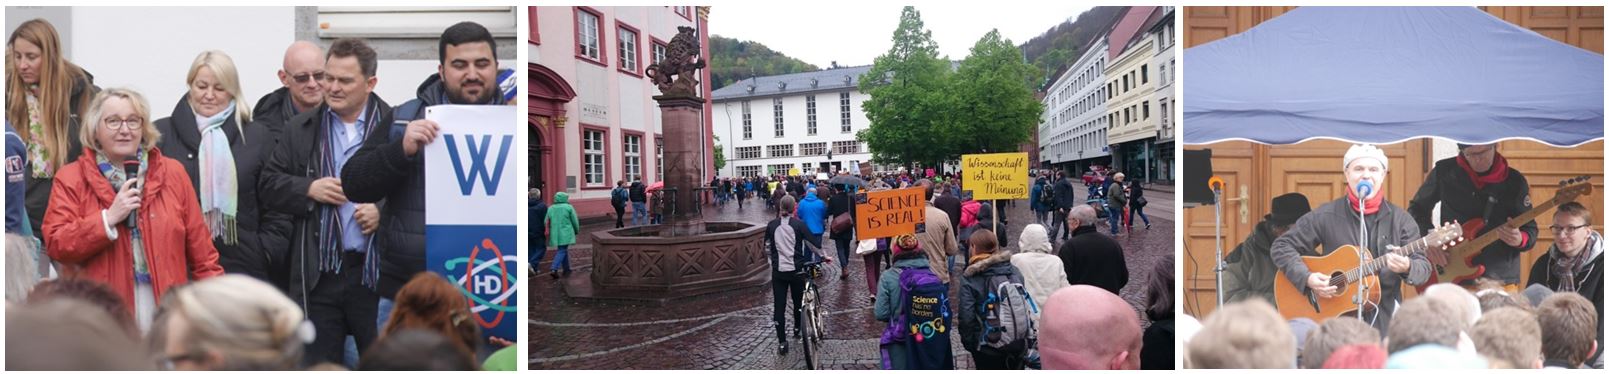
(539, 240)
(16, 162)
(1063, 193)
(389, 166)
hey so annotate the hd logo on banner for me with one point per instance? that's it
(471, 197)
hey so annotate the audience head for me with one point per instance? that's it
(1081, 215)
(416, 350)
(68, 335)
(1088, 328)
(1569, 328)
(1424, 320)
(1357, 356)
(1243, 335)
(983, 242)
(92, 292)
(1159, 291)
(1510, 335)
(1335, 333)
(429, 302)
(231, 322)
(302, 73)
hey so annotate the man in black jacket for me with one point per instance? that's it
(303, 78)
(1090, 257)
(332, 269)
(389, 166)
(1479, 184)
(1063, 194)
(1335, 224)
(639, 202)
(1249, 272)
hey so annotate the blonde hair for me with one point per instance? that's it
(148, 133)
(57, 77)
(246, 321)
(223, 68)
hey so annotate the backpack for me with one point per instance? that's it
(1007, 317)
(923, 322)
(617, 197)
(1047, 195)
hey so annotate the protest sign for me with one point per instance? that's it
(883, 214)
(471, 200)
(995, 175)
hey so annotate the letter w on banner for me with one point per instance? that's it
(471, 195)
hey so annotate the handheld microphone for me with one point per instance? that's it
(131, 170)
(1364, 189)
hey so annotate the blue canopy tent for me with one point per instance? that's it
(1387, 74)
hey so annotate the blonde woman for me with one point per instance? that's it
(140, 234)
(209, 134)
(45, 94)
(232, 322)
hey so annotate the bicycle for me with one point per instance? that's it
(811, 338)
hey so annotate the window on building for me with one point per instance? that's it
(684, 11)
(779, 150)
(776, 110)
(592, 157)
(843, 112)
(748, 122)
(810, 114)
(633, 152)
(1145, 110)
(626, 38)
(744, 153)
(1145, 74)
(748, 171)
(778, 169)
(659, 158)
(658, 52)
(588, 34)
(813, 149)
(1125, 83)
(846, 147)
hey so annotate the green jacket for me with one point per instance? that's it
(562, 223)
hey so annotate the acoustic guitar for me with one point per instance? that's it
(1348, 273)
(1457, 263)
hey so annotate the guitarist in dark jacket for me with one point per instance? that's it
(1335, 224)
(1478, 184)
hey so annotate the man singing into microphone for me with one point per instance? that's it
(1335, 224)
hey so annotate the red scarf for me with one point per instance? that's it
(1495, 175)
(1369, 206)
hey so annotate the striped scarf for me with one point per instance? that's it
(116, 176)
(220, 200)
(330, 230)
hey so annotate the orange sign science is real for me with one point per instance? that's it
(884, 214)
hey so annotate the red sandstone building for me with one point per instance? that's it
(592, 115)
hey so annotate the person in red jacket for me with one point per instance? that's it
(141, 234)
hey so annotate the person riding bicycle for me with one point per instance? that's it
(789, 250)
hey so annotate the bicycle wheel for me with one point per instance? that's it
(809, 340)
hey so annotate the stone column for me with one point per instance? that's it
(681, 117)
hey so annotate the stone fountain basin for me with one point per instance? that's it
(635, 263)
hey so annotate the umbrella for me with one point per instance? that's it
(847, 180)
(655, 187)
(1388, 74)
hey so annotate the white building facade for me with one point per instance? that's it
(1166, 69)
(1131, 79)
(805, 121)
(1073, 132)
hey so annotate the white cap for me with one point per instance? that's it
(1365, 151)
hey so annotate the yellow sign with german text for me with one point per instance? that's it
(995, 175)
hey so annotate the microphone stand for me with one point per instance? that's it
(1363, 235)
(1218, 254)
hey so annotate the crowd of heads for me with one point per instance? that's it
(1447, 327)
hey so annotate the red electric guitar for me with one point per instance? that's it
(1457, 264)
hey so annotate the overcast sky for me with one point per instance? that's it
(855, 35)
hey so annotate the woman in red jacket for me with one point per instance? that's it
(140, 235)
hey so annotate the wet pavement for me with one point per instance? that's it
(732, 329)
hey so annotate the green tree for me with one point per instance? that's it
(906, 97)
(720, 155)
(993, 108)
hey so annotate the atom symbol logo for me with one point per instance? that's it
(489, 279)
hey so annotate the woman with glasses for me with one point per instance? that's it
(140, 233)
(232, 322)
(45, 95)
(208, 133)
(1574, 263)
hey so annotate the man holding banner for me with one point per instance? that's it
(389, 166)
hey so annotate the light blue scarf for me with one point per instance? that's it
(219, 187)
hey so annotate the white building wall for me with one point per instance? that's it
(1167, 74)
(728, 117)
(1075, 111)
